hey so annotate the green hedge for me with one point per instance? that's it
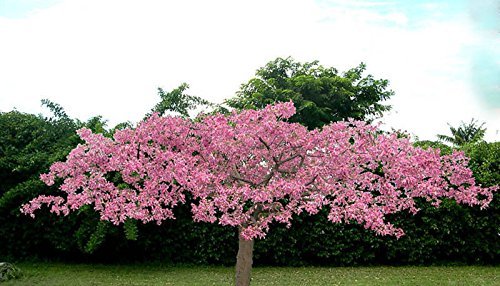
(451, 234)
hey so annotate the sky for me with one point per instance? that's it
(108, 57)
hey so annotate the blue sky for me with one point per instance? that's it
(484, 17)
(108, 57)
(23, 8)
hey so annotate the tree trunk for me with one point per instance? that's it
(244, 261)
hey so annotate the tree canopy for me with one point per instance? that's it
(30, 143)
(251, 169)
(178, 101)
(466, 133)
(320, 94)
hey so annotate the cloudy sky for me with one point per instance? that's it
(107, 57)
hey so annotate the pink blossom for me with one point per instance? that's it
(251, 168)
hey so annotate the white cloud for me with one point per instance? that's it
(108, 57)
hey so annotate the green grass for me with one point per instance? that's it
(86, 274)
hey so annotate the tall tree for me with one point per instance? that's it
(466, 133)
(178, 101)
(320, 94)
(29, 144)
(251, 169)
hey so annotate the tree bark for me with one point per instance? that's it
(244, 261)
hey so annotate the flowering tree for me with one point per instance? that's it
(252, 168)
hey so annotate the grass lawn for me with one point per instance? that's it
(87, 274)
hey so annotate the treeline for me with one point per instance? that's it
(30, 143)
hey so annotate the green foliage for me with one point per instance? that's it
(131, 230)
(485, 162)
(57, 110)
(178, 101)
(29, 144)
(97, 237)
(184, 241)
(9, 271)
(445, 149)
(313, 240)
(320, 94)
(466, 133)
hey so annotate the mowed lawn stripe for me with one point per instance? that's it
(146, 274)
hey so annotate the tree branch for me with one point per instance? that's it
(290, 159)
(265, 144)
(295, 169)
(311, 181)
(266, 179)
(239, 178)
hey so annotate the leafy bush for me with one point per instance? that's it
(9, 271)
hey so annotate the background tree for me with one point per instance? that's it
(320, 94)
(466, 133)
(29, 144)
(251, 169)
(178, 101)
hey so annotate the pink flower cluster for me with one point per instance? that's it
(252, 168)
